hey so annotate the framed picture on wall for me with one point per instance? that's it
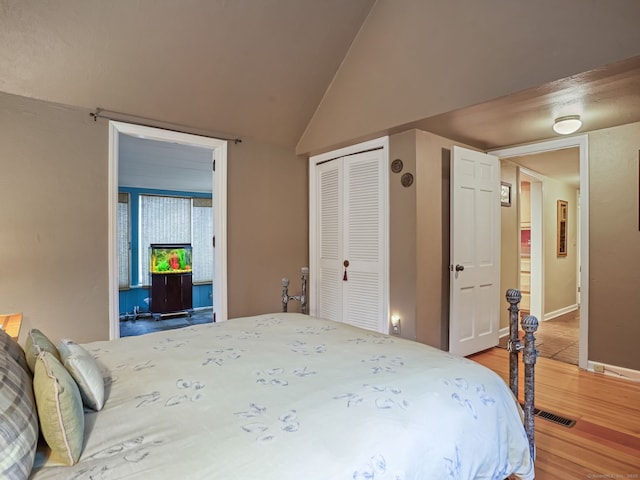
(505, 194)
(563, 213)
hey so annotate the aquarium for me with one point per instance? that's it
(170, 258)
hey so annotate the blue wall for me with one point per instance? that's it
(202, 293)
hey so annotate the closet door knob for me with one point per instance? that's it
(459, 268)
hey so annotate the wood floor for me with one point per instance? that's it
(605, 441)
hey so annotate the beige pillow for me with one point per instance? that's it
(59, 408)
(85, 371)
(38, 342)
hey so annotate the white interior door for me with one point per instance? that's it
(474, 318)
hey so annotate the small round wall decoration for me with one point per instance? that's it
(396, 166)
(406, 180)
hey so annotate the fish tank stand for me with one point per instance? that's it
(171, 280)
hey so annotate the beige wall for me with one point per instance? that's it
(419, 253)
(53, 192)
(401, 67)
(509, 239)
(268, 226)
(54, 217)
(560, 273)
(614, 276)
(402, 234)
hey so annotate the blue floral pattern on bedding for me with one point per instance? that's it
(289, 396)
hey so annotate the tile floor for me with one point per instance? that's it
(558, 338)
(140, 326)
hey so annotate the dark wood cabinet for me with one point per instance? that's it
(171, 293)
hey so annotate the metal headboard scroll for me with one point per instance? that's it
(302, 298)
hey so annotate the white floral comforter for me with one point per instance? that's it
(288, 396)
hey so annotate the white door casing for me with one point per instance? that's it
(219, 153)
(348, 221)
(536, 298)
(582, 143)
(474, 318)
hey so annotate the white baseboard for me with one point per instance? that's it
(561, 311)
(503, 332)
(613, 371)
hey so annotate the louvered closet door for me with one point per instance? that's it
(364, 240)
(330, 233)
(351, 226)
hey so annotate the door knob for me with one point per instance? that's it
(459, 268)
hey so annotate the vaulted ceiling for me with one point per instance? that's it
(271, 70)
(247, 68)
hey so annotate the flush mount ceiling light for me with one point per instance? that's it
(567, 125)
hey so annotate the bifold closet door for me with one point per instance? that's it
(351, 227)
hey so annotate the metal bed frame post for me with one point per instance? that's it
(530, 354)
(513, 345)
(302, 297)
(529, 325)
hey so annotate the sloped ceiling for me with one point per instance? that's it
(316, 74)
(252, 68)
(494, 72)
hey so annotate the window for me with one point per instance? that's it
(124, 242)
(166, 219)
(202, 240)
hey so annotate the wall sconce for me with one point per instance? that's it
(567, 125)
(395, 324)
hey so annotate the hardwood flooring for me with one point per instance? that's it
(605, 441)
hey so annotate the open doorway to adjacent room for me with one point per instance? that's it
(552, 258)
(168, 189)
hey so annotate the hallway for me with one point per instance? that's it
(557, 339)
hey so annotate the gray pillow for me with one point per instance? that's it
(38, 342)
(18, 419)
(85, 371)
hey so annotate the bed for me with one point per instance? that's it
(290, 396)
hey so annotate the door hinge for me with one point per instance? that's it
(214, 164)
(214, 242)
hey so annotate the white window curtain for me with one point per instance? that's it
(162, 220)
(124, 244)
(202, 240)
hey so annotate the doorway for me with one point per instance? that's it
(581, 249)
(218, 150)
(531, 237)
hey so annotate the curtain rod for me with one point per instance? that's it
(149, 122)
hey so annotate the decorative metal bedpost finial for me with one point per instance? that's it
(529, 325)
(285, 293)
(513, 345)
